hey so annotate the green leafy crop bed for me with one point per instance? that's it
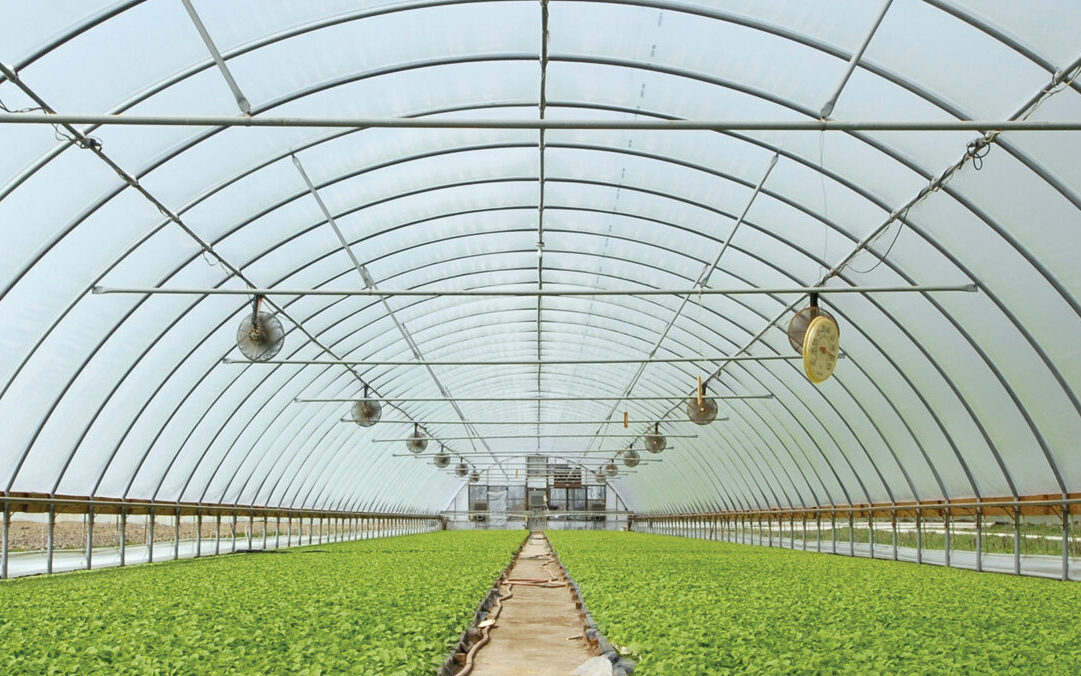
(688, 607)
(393, 606)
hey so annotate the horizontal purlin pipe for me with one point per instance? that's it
(537, 436)
(513, 399)
(496, 293)
(521, 362)
(519, 422)
(478, 123)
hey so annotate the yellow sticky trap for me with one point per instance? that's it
(699, 391)
(626, 419)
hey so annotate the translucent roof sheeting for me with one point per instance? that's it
(940, 395)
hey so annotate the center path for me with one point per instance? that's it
(538, 631)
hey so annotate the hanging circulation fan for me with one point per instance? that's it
(610, 469)
(260, 335)
(655, 441)
(797, 326)
(366, 412)
(417, 442)
(701, 410)
(631, 458)
(474, 477)
(462, 469)
(815, 334)
(441, 459)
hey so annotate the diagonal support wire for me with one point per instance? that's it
(370, 283)
(703, 279)
(542, 104)
(77, 137)
(241, 100)
(1060, 79)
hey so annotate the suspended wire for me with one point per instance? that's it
(825, 202)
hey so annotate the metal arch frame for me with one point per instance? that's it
(712, 14)
(962, 461)
(985, 360)
(793, 484)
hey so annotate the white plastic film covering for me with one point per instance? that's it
(939, 395)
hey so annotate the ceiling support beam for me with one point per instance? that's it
(498, 293)
(369, 284)
(241, 100)
(520, 362)
(982, 126)
(536, 436)
(518, 399)
(827, 109)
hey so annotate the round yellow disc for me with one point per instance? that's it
(821, 347)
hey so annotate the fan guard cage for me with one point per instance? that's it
(631, 458)
(655, 442)
(702, 413)
(797, 326)
(260, 336)
(610, 469)
(441, 460)
(417, 442)
(462, 470)
(366, 412)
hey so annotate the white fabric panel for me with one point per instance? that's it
(941, 396)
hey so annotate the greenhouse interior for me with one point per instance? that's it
(587, 337)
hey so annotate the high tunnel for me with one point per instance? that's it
(540, 238)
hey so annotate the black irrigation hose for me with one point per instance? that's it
(621, 666)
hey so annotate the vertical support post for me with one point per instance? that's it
(50, 540)
(769, 529)
(89, 537)
(871, 527)
(123, 535)
(251, 528)
(311, 528)
(919, 535)
(278, 532)
(5, 544)
(1065, 542)
(232, 534)
(833, 530)
(851, 532)
(1017, 540)
(217, 534)
(805, 531)
(198, 533)
(176, 536)
(264, 531)
(946, 521)
(288, 530)
(979, 540)
(893, 527)
(150, 535)
(818, 532)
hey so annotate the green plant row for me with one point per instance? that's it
(686, 607)
(393, 606)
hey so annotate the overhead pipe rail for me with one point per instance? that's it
(496, 293)
(982, 126)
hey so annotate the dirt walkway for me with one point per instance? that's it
(538, 632)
